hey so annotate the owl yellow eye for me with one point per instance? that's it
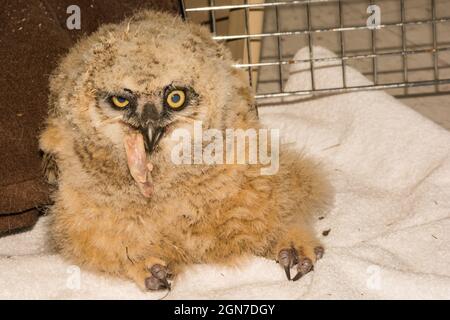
(176, 99)
(120, 102)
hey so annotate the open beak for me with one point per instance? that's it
(148, 121)
(152, 136)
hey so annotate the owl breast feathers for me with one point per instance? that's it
(122, 205)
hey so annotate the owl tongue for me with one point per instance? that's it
(138, 165)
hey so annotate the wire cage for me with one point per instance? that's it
(402, 46)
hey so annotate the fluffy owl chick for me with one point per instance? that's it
(122, 206)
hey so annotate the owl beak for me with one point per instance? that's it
(154, 131)
(152, 137)
(147, 121)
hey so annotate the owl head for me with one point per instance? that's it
(148, 75)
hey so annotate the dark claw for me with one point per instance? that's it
(303, 267)
(158, 279)
(319, 251)
(288, 272)
(289, 258)
(286, 258)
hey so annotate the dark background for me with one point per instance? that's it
(33, 38)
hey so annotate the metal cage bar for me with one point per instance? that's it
(280, 51)
(374, 52)
(345, 55)
(212, 18)
(255, 5)
(342, 43)
(435, 51)
(249, 49)
(300, 32)
(310, 46)
(404, 54)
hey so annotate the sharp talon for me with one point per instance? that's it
(319, 251)
(287, 258)
(304, 266)
(288, 272)
(297, 276)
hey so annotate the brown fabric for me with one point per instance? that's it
(17, 221)
(33, 37)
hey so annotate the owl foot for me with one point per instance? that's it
(150, 274)
(290, 258)
(158, 279)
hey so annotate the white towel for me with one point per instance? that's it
(389, 228)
